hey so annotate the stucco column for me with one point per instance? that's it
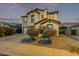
(23, 23)
(57, 33)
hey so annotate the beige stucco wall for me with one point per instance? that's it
(29, 18)
(45, 14)
(38, 17)
(53, 16)
(50, 16)
(55, 26)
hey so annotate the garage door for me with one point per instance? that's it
(25, 30)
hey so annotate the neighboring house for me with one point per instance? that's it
(40, 18)
(71, 28)
(17, 26)
(62, 29)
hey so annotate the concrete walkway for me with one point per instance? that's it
(14, 37)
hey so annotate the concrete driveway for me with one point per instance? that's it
(14, 37)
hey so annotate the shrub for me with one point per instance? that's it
(74, 49)
(47, 32)
(6, 30)
(41, 29)
(32, 32)
(1, 34)
(27, 39)
(2, 31)
(54, 32)
(10, 30)
(44, 41)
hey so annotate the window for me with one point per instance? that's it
(50, 26)
(32, 18)
(25, 19)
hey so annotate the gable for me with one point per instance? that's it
(35, 10)
(47, 20)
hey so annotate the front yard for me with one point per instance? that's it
(61, 45)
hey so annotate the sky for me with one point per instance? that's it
(67, 12)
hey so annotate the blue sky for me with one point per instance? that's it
(67, 12)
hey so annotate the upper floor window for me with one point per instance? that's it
(32, 18)
(25, 19)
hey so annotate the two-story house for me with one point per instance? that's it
(39, 18)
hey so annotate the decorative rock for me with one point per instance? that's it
(45, 41)
(27, 39)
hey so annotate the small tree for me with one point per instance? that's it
(47, 33)
(6, 30)
(2, 31)
(10, 30)
(41, 29)
(32, 32)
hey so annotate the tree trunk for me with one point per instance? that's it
(49, 39)
(33, 38)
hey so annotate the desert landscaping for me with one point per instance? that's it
(61, 46)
